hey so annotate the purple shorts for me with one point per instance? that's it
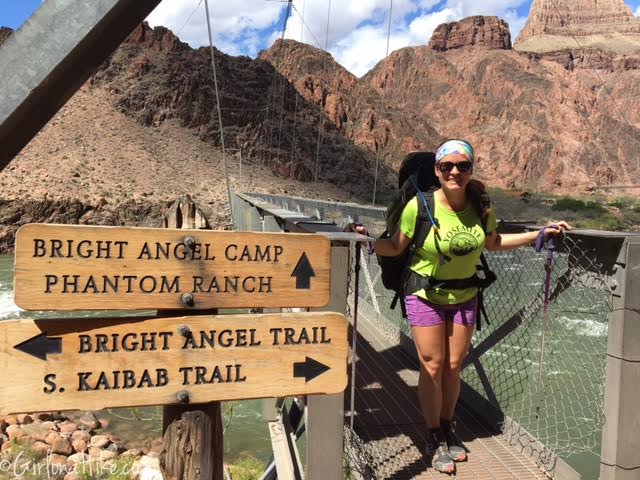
(421, 313)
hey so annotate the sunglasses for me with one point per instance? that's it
(463, 167)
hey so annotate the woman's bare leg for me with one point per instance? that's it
(430, 344)
(457, 346)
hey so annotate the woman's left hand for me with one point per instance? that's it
(556, 228)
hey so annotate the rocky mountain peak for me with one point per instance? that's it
(478, 31)
(556, 24)
(159, 38)
(5, 32)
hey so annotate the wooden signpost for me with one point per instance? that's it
(59, 365)
(70, 267)
(187, 363)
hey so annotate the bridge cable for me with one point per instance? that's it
(284, 80)
(295, 108)
(304, 24)
(382, 103)
(321, 110)
(188, 18)
(215, 81)
(318, 44)
(274, 81)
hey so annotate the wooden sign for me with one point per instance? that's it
(57, 365)
(62, 267)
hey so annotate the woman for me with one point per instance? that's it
(442, 321)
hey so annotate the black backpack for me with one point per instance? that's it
(416, 174)
(417, 177)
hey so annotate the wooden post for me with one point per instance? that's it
(192, 443)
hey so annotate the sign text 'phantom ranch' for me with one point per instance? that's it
(58, 365)
(60, 267)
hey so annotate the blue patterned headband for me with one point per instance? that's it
(455, 146)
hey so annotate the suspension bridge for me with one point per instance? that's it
(580, 425)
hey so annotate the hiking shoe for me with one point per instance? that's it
(457, 451)
(438, 452)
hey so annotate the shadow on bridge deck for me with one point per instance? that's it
(389, 429)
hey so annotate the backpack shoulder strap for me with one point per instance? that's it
(424, 220)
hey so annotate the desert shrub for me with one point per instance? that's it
(247, 468)
(589, 209)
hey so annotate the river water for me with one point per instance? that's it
(246, 434)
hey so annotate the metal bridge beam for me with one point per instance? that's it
(47, 60)
(620, 439)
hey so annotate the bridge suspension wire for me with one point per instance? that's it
(304, 25)
(274, 81)
(284, 83)
(320, 111)
(295, 108)
(188, 18)
(217, 89)
(382, 103)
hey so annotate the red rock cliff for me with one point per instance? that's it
(478, 31)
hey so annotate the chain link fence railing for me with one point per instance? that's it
(547, 375)
(555, 397)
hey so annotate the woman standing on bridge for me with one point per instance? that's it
(443, 319)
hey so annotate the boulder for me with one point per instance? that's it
(67, 427)
(62, 446)
(100, 441)
(41, 447)
(79, 445)
(24, 419)
(15, 432)
(81, 435)
(89, 421)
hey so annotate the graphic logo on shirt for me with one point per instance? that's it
(463, 243)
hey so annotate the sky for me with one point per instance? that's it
(355, 33)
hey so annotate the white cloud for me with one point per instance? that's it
(363, 48)
(422, 27)
(484, 7)
(345, 17)
(637, 12)
(235, 24)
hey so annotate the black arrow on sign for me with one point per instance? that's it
(309, 369)
(41, 345)
(303, 273)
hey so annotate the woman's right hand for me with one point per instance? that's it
(357, 228)
(362, 230)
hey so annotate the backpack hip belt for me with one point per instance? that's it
(417, 282)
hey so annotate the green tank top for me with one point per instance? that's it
(460, 238)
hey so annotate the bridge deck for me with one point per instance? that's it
(391, 428)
